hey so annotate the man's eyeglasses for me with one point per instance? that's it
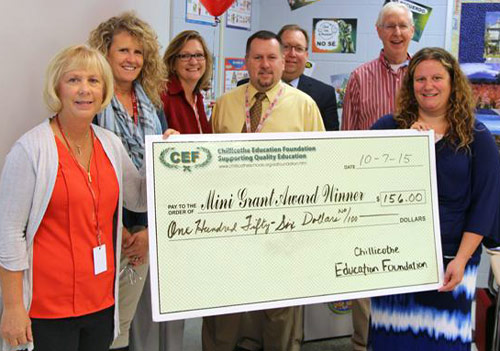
(393, 27)
(298, 49)
(187, 57)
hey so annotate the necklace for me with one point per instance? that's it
(78, 147)
(122, 98)
(95, 199)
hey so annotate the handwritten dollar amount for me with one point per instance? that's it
(392, 198)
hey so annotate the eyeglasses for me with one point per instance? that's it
(392, 27)
(298, 49)
(187, 57)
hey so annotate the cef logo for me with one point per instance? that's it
(187, 159)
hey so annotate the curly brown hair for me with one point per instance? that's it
(460, 112)
(175, 47)
(152, 76)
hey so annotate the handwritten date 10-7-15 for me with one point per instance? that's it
(385, 159)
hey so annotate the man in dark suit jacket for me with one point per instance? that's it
(324, 96)
(295, 43)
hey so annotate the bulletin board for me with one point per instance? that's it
(474, 32)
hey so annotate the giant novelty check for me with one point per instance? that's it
(241, 222)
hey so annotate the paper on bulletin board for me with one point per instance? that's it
(241, 222)
(334, 35)
(468, 18)
(235, 70)
(339, 83)
(239, 15)
(478, 23)
(197, 13)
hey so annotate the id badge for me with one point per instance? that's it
(100, 264)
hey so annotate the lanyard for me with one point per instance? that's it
(87, 177)
(266, 114)
(196, 114)
(134, 107)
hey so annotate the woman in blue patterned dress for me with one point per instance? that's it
(436, 95)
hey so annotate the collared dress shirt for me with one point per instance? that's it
(371, 93)
(294, 111)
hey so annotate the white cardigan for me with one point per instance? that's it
(26, 186)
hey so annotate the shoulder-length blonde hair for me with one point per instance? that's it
(460, 112)
(75, 58)
(175, 47)
(152, 76)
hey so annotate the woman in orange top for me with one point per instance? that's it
(61, 195)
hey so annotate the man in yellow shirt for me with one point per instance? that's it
(293, 111)
(265, 104)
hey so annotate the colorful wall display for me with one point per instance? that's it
(474, 20)
(421, 14)
(485, 78)
(479, 55)
(492, 36)
(485, 81)
(197, 13)
(339, 83)
(235, 70)
(334, 35)
(478, 22)
(239, 15)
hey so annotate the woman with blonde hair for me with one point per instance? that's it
(189, 70)
(436, 95)
(62, 187)
(132, 49)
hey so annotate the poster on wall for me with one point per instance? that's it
(421, 14)
(334, 35)
(339, 83)
(485, 80)
(296, 4)
(197, 13)
(492, 36)
(478, 22)
(239, 15)
(479, 54)
(234, 71)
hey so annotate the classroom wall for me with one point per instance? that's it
(32, 31)
(277, 13)
(234, 40)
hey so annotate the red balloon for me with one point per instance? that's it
(217, 7)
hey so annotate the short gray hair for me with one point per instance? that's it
(393, 6)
